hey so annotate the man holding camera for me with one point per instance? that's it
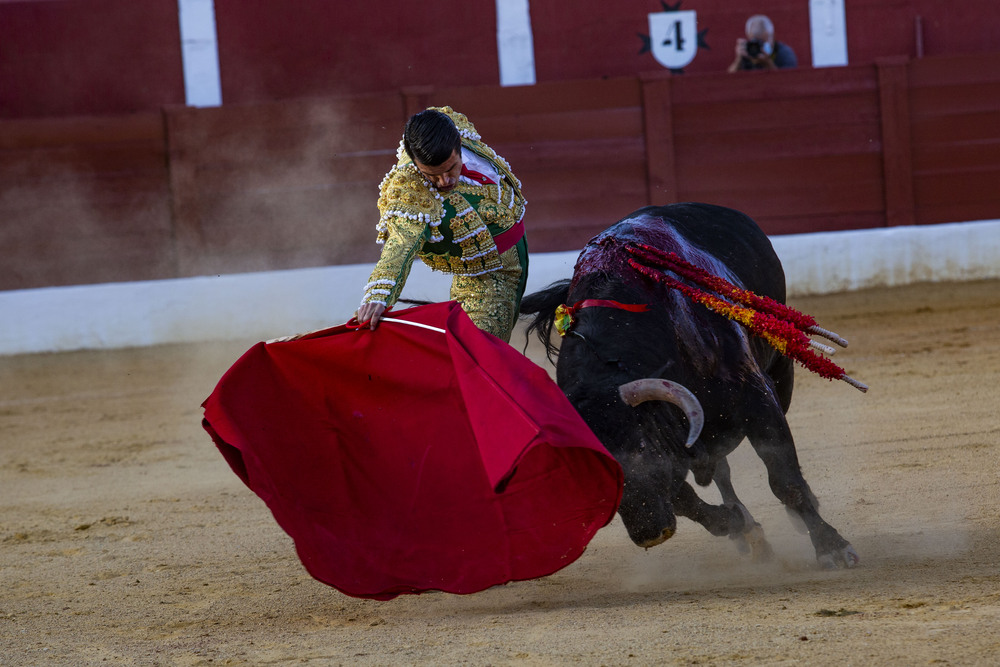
(760, 50)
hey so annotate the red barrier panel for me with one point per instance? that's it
(293, 184)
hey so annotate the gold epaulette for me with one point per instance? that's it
(405, 194)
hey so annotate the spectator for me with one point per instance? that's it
(759, 50)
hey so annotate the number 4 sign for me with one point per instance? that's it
(673, 37)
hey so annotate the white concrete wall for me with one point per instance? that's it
(267, 305)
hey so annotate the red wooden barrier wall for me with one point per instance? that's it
(279, 185)
(84, 200)
(955, 134)
(293, 184)
(77, 57)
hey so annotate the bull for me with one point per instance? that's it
(671, 387)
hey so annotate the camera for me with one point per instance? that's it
(754, 47)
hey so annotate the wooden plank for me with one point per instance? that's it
(29, 134)
(142, 220)
(416, 99)
(958, 70)
(749, 147)
(558, 213)
(812, 113)
(947, 157)
(844, 171)
(81, 161)
(110, 202)
(571, 184)
(480, 102)
(560, 155)
(963, 186)
(897, 158)
(835, 222)
(931, 102)
(582, 124)
(661, 163)
(255, 231)
(225, 180)
(252, 260)
(75, 267)
(563, 215)
(956, 139)
(782, 199)
(70, 241)
(339, 124)
(254, 182)
(957, 127)
(563, 240)
(780, 85)
(928, 214)
(185, 205)
(238, 143)
(374, 110)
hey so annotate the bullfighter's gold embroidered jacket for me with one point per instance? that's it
(451, 232)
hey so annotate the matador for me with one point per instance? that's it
(454, 203)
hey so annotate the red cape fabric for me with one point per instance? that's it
(404, 459)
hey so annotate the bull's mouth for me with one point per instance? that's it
(665, 535)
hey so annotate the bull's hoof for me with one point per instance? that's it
(760, 548)
(659, 539)
(844, 558)
(751, 541)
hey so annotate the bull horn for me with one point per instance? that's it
(657, 389)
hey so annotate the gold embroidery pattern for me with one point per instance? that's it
(405, 195)
(489, 300)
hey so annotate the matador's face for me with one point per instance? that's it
(444, 177)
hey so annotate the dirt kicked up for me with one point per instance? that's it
(126, 539)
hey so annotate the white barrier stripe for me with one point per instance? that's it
(199, 53)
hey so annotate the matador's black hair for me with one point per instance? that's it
(430, 138)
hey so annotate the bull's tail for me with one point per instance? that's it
(542, 305)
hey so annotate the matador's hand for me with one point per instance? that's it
(370, 313)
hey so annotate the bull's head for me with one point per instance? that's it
(609, 344)
(645, 509)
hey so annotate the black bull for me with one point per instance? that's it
(742, 384)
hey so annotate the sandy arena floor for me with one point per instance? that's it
(125, 538)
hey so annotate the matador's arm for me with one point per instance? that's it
(404, 240)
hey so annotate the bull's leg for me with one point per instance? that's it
(782, 372)
(751, 539)
(772, 440)
(724, 481)
(717, 519)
